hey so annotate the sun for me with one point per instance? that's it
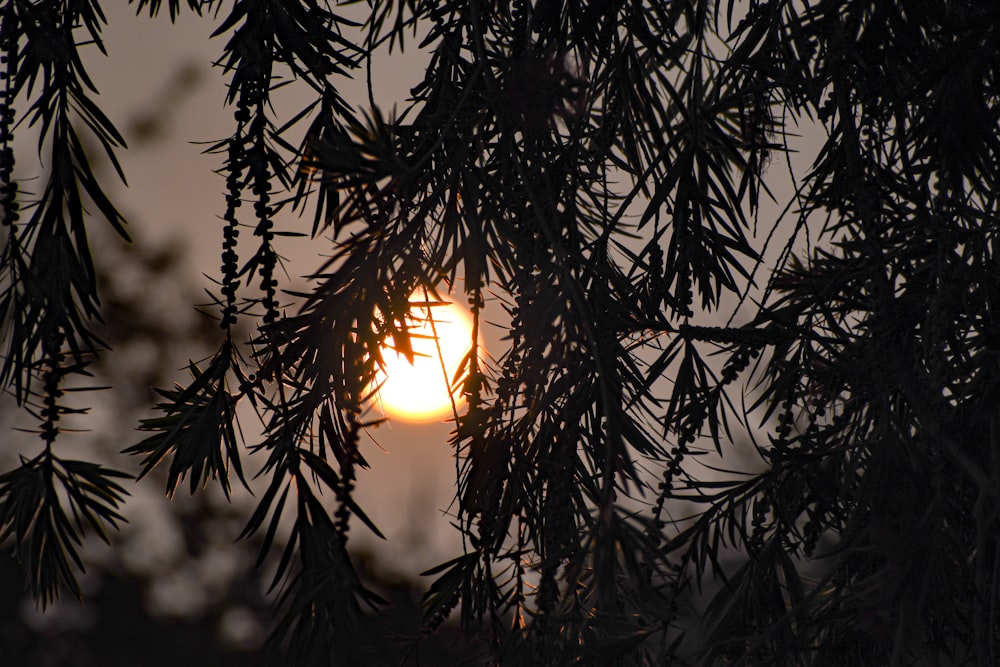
(418, 392)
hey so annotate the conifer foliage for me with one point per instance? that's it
(599, 169)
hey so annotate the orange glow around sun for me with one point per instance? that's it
(418, 392)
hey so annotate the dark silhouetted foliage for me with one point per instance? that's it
(599, 170)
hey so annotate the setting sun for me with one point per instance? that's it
(418, 392)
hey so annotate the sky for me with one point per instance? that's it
(161, 75)
(160, 88)
(173, 195)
